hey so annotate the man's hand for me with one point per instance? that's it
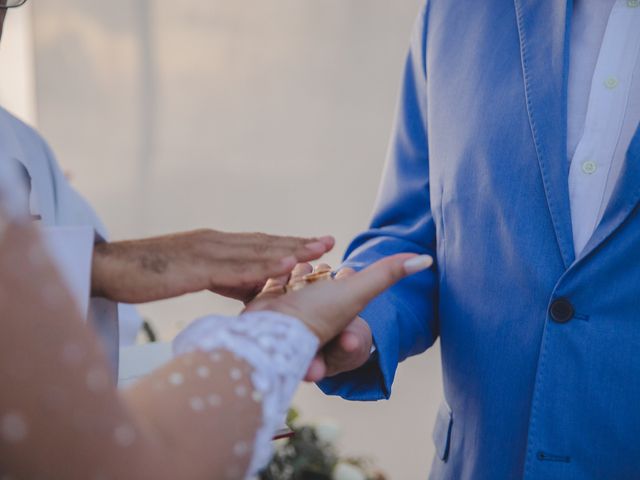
(233, 265)
(348, 352)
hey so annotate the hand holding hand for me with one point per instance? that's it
(230, 264)
(349, 350)
(328, 307)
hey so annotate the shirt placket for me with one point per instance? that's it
(610, 88)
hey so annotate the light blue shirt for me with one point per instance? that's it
(604, 105)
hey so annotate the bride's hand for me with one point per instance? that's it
(327, 307)
(229, 264)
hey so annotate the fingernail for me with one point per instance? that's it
(417, 264)
(327, 240)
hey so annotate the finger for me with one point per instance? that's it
(345, 273)
(317, 370)
(364, 286)
(338, 361)
(322, 267)
(349, 342)
(300, 271)
(263, 238)
(325, 243)
(256, 270)
(267, 249)
(276, 274)
(329, 241)
(275, 269)
(350, 350)
(283, 279)
(275, 284)
(272, 289)
(256, 246)
(311, 251)
(251, 275)
(281, 241)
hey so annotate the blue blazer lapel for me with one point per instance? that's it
(543, 26)
(623, 201)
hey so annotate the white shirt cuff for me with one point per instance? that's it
(72, 250)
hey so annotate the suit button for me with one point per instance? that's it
(561, 310)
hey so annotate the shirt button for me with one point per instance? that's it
(633, 3)
(612, 82)
(589, 167)
(561, 310)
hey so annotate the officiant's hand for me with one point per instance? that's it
(235, 265)
(328, 307)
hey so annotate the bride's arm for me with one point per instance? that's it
(61, 415)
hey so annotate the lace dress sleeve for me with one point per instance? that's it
(279, 350)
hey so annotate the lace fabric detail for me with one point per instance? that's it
(279, 348)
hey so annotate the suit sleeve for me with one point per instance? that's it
(403, 320)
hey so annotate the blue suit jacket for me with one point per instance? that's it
(478, 177)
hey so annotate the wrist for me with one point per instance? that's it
(131, 272)
(114, 273)
(282, 308)
(98, 271)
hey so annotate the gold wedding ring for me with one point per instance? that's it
(319, 275)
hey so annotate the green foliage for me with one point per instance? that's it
(302, 457)
(306, 457)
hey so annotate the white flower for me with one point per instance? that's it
(346, 471)
(328, 432)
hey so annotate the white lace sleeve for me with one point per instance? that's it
(279, 348)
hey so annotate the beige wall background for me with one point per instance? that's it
(270, 115)
(17, 65)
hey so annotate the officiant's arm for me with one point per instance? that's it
(233, 265)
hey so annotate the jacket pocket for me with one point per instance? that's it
(442, 431)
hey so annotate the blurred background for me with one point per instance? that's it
(262, 115)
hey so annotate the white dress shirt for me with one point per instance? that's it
(69, 224)
(603, 105)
